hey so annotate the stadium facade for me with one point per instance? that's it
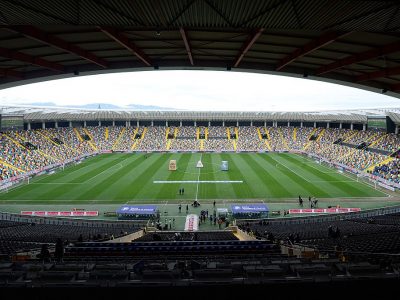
(53, 117)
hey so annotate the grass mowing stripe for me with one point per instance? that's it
(136, 185)
(353, 189)
(71, 168)
(143, 179)
(99, 186)
(71, 173)
(234, 173)
(311, 188)
(169, 191)
(116, 188)
(207, 191)
(258, 185)
(223, 190)
(297, 184)
(61, 192)
(329, 183)
(266, 179)
(30, 190)
(94, 172)
(191, 174)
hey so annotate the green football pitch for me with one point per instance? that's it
(139, 178)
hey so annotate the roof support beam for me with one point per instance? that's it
(378, 74)
(127, 43)
(384, 50)
(364, 15)
(11, 73)
(263, 12)
(315, 44)
(19, 56)
(247, 45)
(187, 44)
(51, 40)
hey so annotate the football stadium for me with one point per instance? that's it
(148, 199)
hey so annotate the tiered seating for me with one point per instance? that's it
(378, 234)
(390, 143)
(278, 135)
(361, 159)
(69, 138)
(126, 140)
(324, 146)
(186, 139)
(154, 139)
(390, 219)
(20, 157)
(249, 140)
(104, 142)
(201, 271)
(302, 135)
(389, 171)
(218, 144)
(362, 136)
(23, 235)
(170, 248)
(189, 236)
(217, 140)
(12, 247)
(7, 172)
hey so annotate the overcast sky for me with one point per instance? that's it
(199, 90)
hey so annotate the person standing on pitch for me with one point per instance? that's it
(187, 208)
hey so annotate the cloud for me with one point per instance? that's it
(199, 90)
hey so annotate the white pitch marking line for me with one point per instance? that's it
(119, 165)
(198, 178)
(198, 181)
(280, 163)
(41, 183)
(353, 180)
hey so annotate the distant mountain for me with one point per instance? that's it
(102, 106)
(40, 104)
(95, 106)
(148, 107)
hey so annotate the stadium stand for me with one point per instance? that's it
(218, 255)
(153, 140)
(23, 151)
(18, 236)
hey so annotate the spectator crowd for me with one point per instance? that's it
(28, 150)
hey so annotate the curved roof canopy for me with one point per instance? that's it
(354, 43)
(51, 114)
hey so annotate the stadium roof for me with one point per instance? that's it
(354, 43)
(47, 114)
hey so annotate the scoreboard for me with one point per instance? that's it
(11, 122)
(377, 122)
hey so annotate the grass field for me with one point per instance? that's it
(122, 178)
